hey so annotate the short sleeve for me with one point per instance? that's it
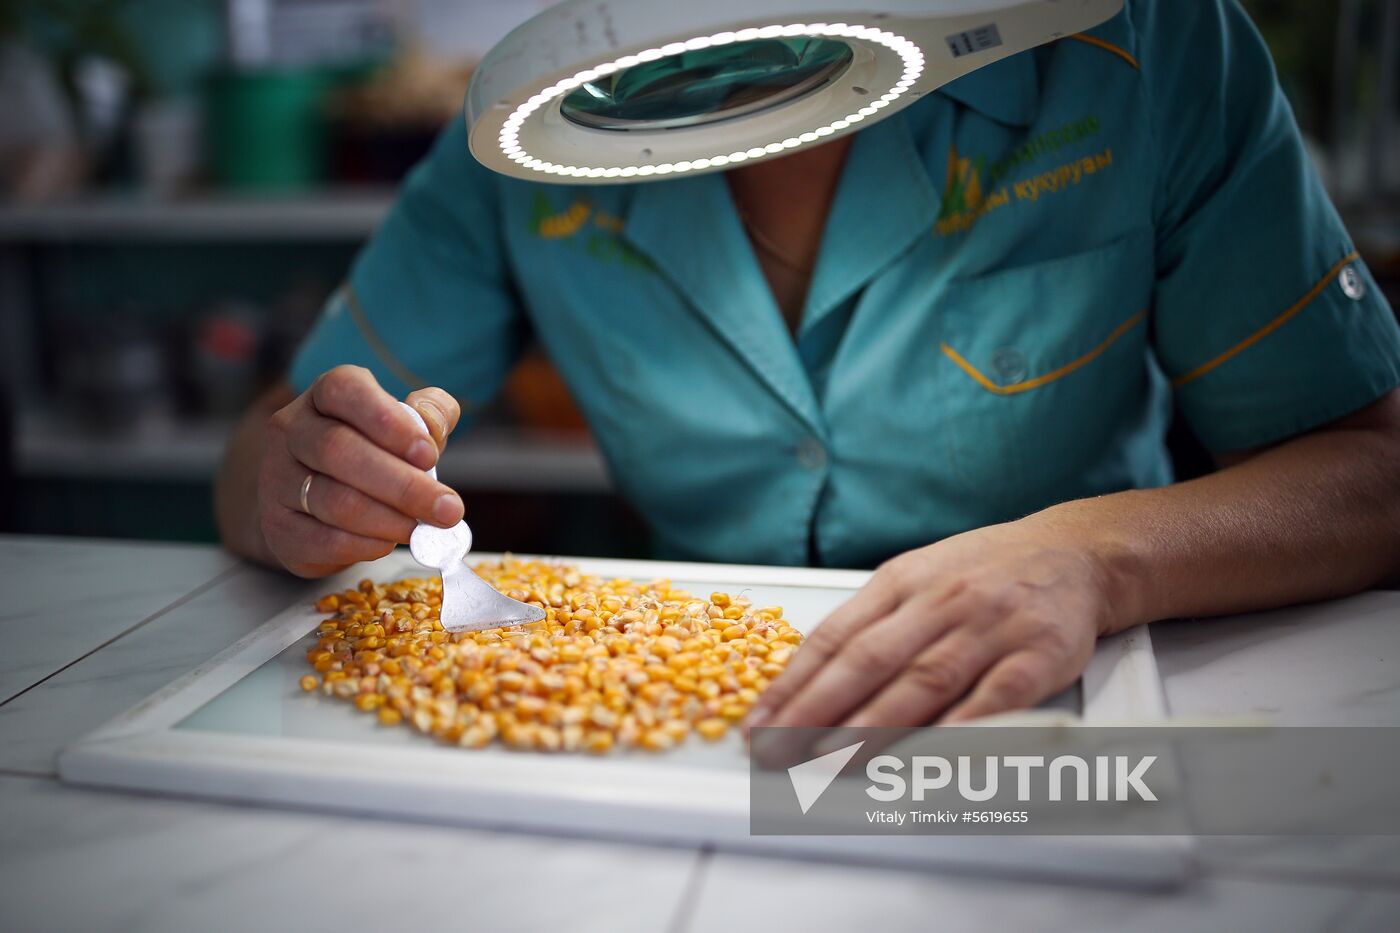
(429, 300)
(1265, 319)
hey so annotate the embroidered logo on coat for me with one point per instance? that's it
(600, 238)
(976, 187)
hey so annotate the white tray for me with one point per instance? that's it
(239, 728)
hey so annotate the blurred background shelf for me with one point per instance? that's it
(525, 490)
(184, 182)
(332, 214)
(54, 444)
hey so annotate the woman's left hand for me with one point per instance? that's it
(991, 620)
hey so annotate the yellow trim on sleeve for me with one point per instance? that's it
(381, 350)
(1108, 47)
(1038, 381)
(1268, 328)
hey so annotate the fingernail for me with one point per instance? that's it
(433, 415)
(422, 454)
(758, 717)
(447, 510)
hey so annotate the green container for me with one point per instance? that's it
(267, 129)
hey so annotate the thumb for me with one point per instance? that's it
(439, 410)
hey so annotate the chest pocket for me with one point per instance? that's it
(1045, 371)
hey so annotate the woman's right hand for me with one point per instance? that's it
(366, 458)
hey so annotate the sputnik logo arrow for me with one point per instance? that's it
(811, 778)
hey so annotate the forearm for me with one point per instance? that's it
(1313, 518)
(236, 487)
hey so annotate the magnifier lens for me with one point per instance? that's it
(708, 85)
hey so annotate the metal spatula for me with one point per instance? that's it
(469, 603)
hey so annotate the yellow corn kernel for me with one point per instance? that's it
(780, 655)
(733, 711)
(656, 740)
(475, 737)
(676, 729)
(519, 735)
(712, 729)
(447, 731)
(665, 646)
(549, 739)
(685, 660)
(309, 683)
(598, 742)
(660, 672)
(615, 663)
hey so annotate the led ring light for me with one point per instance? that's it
(912, 60)
(604, 91)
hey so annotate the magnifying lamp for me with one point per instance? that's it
(600, 91)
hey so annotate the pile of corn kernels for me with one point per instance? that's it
(615, 663)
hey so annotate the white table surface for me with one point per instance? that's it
(90, 628)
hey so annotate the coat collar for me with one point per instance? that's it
(886, 199)
(690, 231)
(1007, 91)
(883, 205)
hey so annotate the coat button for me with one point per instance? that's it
(811, 454)
(1009, 364)
(1353, 285)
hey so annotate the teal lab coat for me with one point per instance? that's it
(1019, 278)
